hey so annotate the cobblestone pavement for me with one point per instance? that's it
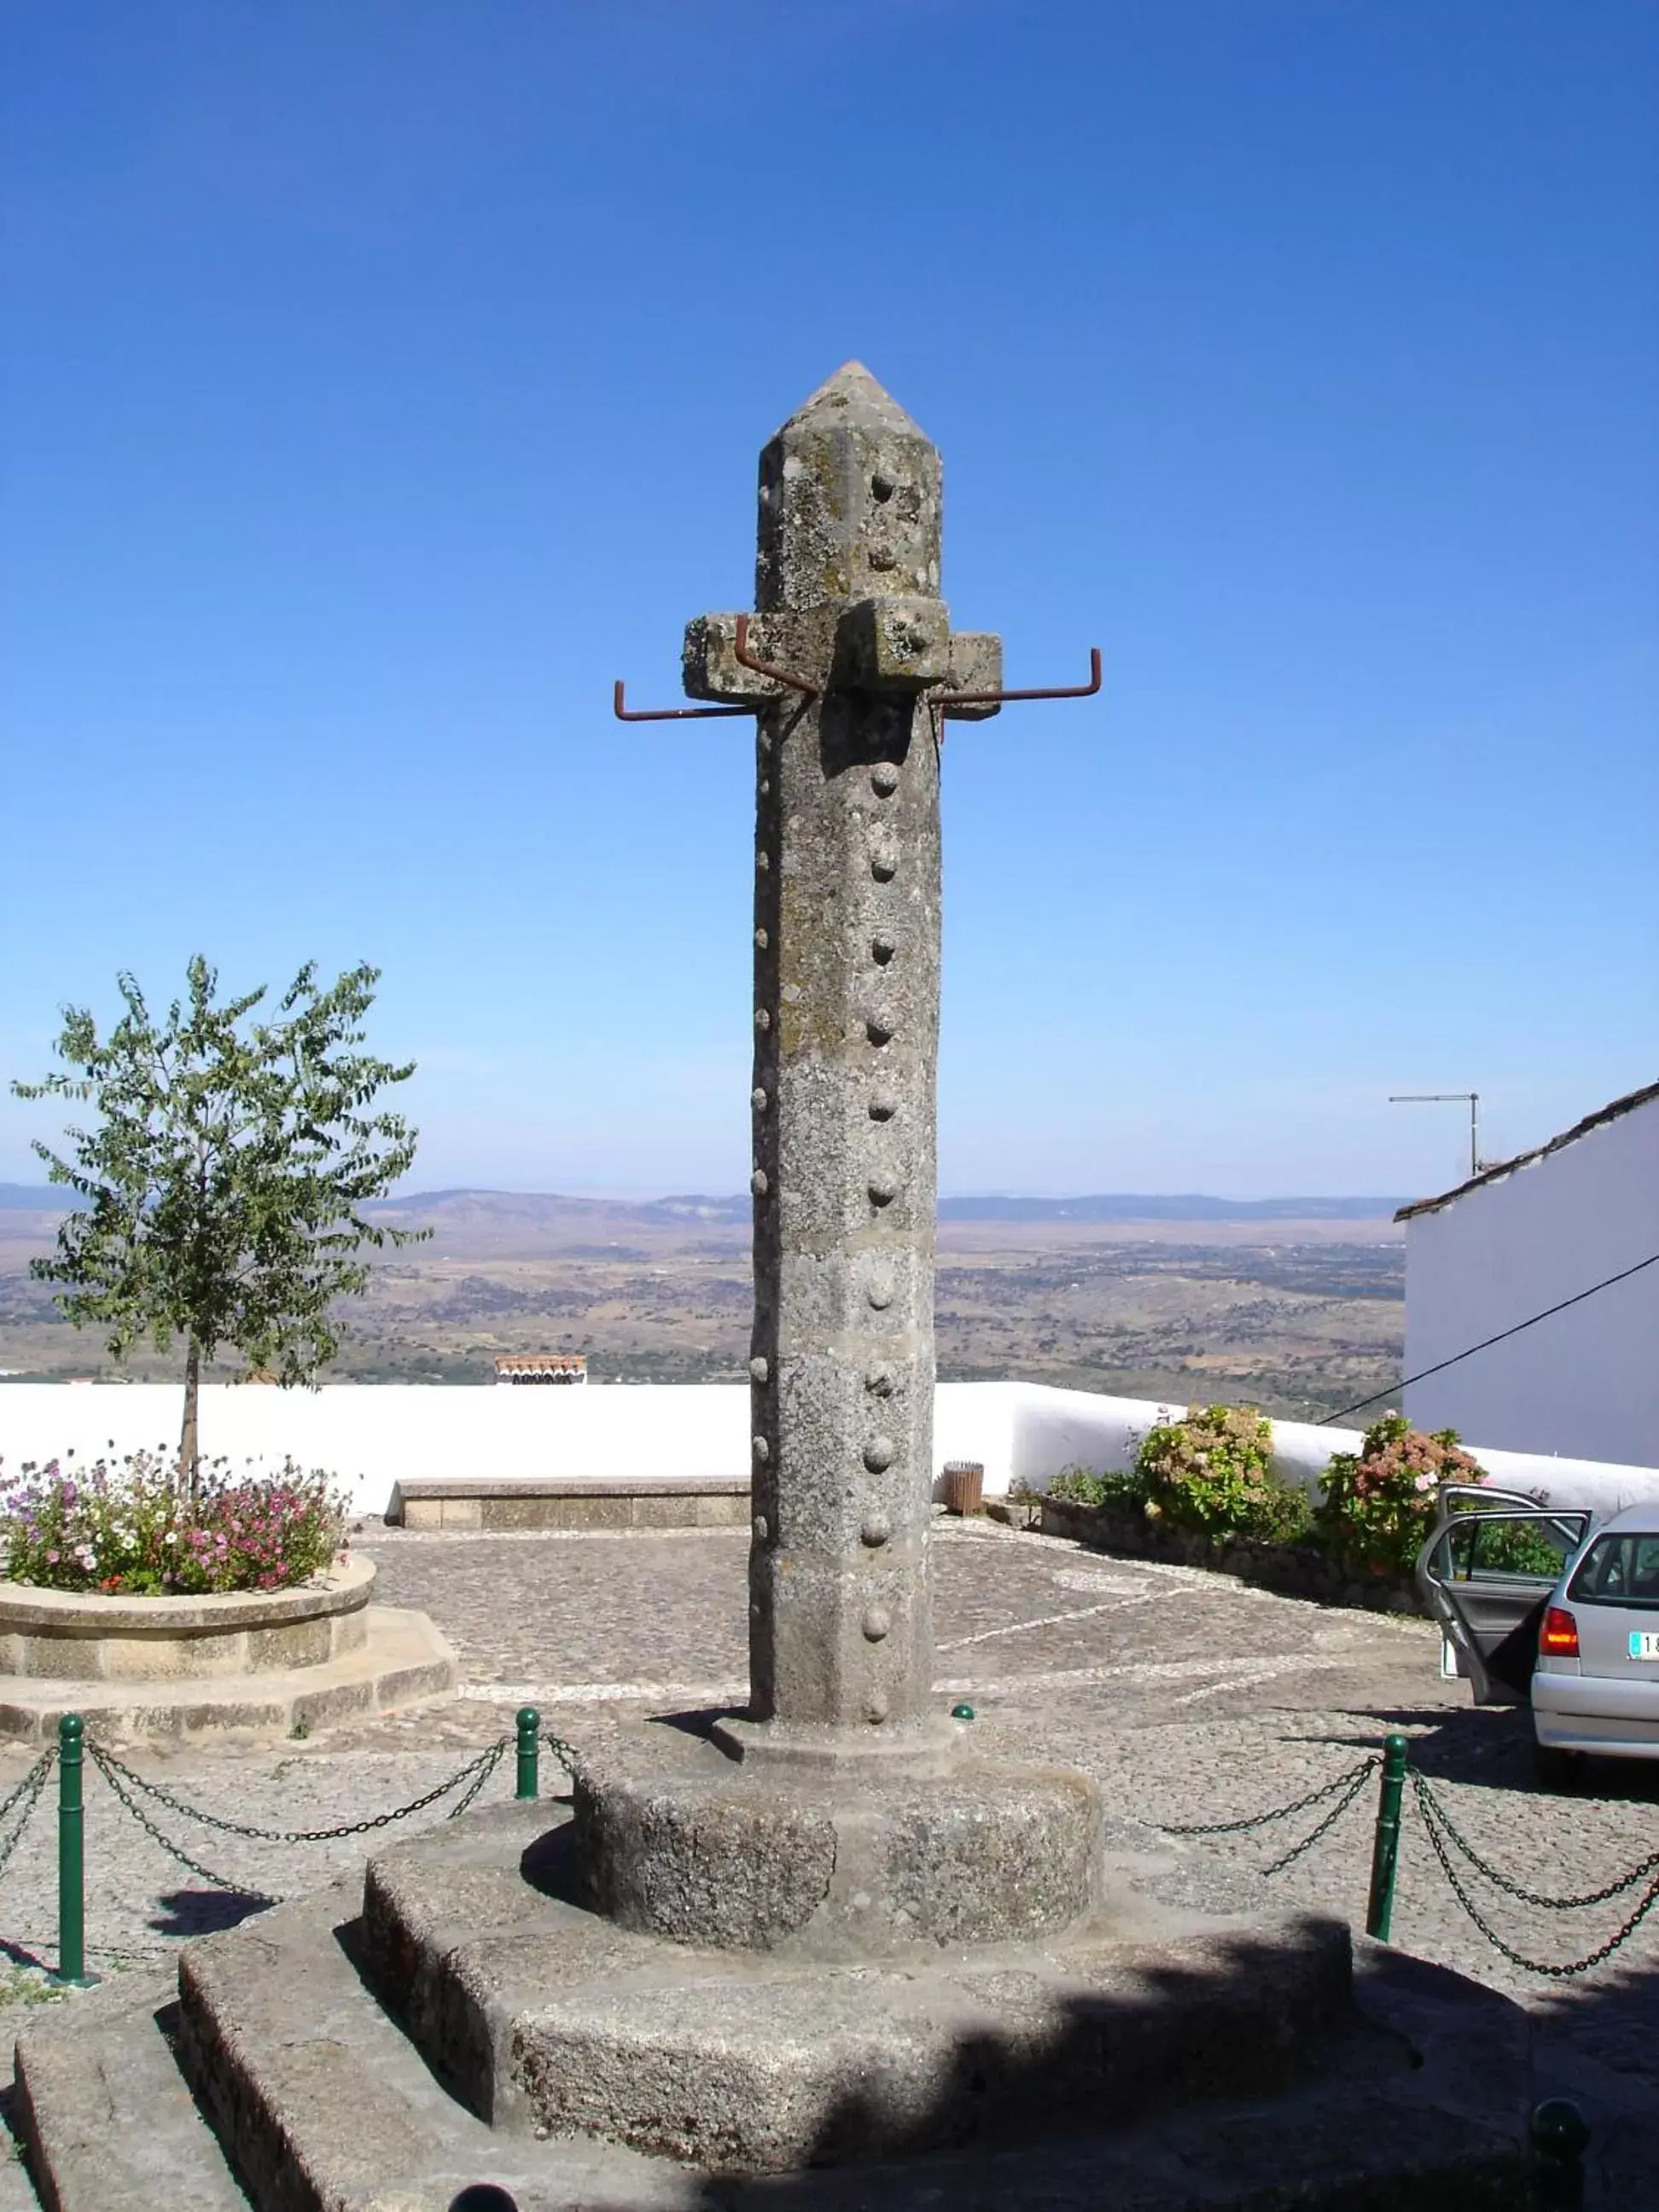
(1192, 1697)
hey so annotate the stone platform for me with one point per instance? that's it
(306, 2037)
(547, 2015)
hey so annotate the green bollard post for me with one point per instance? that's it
(530, 1753)
(1385, 1850)
(71, 1864)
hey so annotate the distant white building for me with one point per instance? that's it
(1520, 1237)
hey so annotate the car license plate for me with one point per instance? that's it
(1644, 1644)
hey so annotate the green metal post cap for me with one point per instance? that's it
(1559, 2130)
(962, 1713)
(529, 1720)
(70, 1725)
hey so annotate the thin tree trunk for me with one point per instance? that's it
(189, 1448)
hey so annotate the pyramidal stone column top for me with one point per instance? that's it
(849, 500)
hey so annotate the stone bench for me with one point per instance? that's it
(716, 1501)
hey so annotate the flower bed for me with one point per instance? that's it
(135, 1530)
(1202, 1493)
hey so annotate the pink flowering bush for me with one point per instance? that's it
(132, 1530)
(1378, 1504)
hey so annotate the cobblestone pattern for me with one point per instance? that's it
(1190, 1696)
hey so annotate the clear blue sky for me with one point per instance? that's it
(382, 379)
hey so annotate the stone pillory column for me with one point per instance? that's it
(847, 971)
(842, 1815)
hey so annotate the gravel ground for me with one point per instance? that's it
(1191, 1697)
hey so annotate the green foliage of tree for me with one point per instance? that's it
(225, 1181)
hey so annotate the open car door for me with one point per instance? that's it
(1486, 1574)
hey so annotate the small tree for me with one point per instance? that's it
(225, 1182)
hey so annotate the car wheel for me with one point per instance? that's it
(1556, 1770)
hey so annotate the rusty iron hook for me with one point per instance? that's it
(740, 648)
(943, 699)
(623, 712)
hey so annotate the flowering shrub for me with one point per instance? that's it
(1379, 1503)
(1213, 1471)
(130, 1530)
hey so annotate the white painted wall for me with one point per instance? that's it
(374, 1435)
(1585, 1381)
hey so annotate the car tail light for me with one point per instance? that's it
(1560, 1634)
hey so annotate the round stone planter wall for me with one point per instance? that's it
(261, 1663)
(71, 1636)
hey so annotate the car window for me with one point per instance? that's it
(1493, 1548)
(1619, 1571)
(1537, 1549)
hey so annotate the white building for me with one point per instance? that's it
(1525, 1235)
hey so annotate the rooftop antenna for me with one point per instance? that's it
(1469, 1098)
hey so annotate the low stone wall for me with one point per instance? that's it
(1293, 1569)
(713, 1502)
(67, 1635)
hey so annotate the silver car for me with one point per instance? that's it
(1534, 1605)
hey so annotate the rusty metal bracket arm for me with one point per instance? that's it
(943, 699)
(747, 659)
(623, 712)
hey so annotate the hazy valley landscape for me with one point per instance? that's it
(1300, 1314)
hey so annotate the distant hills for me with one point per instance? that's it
(1133, 1206)
(1119, 1206)
(1129, 1206)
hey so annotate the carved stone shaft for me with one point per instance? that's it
(847, 977)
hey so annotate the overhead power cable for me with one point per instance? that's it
(1578, 1297)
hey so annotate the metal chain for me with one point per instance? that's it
(561, 1751)
(1356, 1782)
(1558, 1972)
(1513, 1888)
(33, 1782)
(112, 1770)
(486, 1766)
(476, 1771)
(1352, 1780)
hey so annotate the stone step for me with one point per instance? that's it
(544, 2015)
(105, 2116)
(16, 2189)
(328, 2108)
(405, 1662)
(1416, 2105)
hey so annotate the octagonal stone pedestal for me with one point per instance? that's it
(265, 1662)
(832, 1859)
